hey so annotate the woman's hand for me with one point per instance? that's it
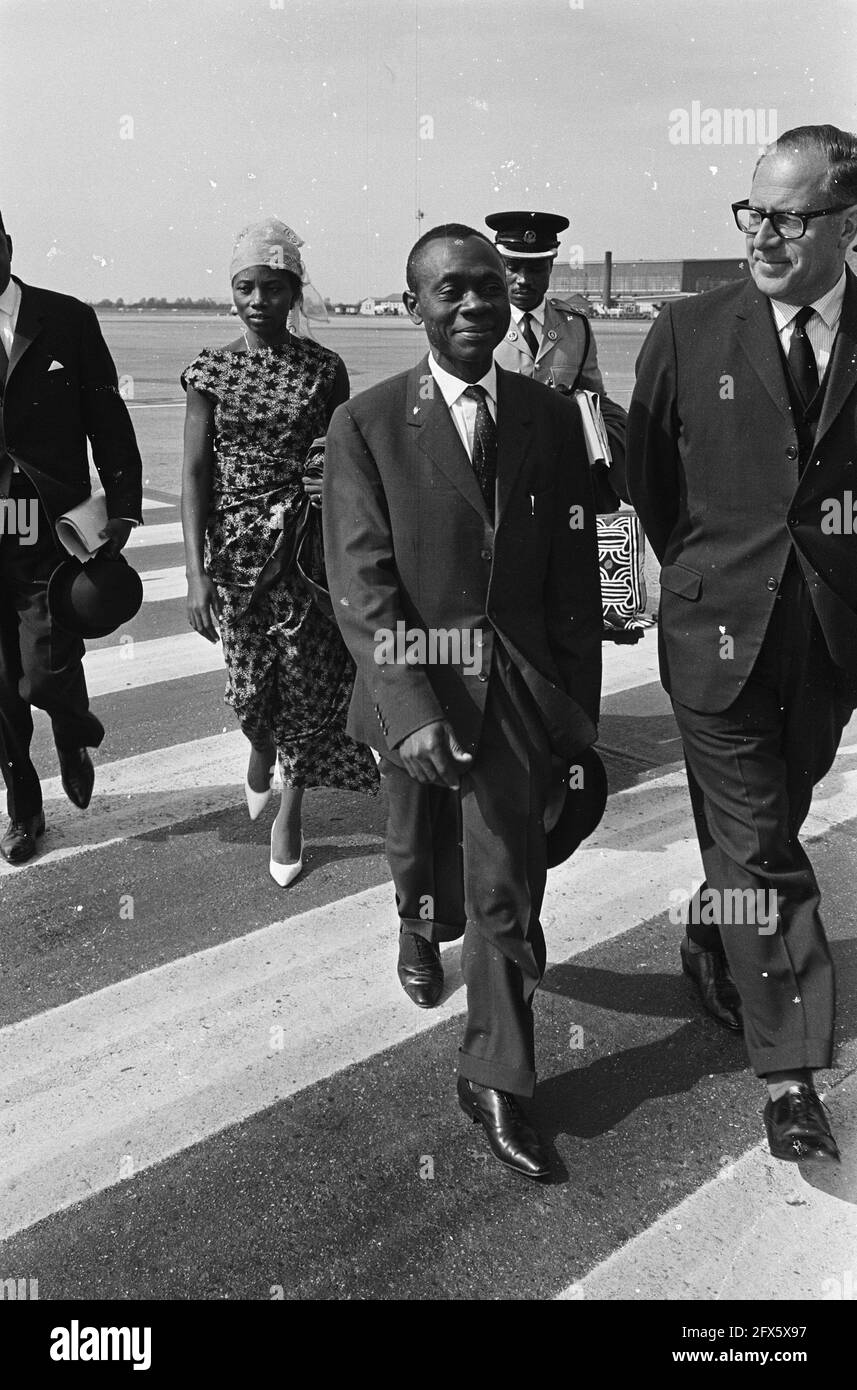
(312, 488)
(203, 606)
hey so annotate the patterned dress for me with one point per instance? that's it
(290, 675)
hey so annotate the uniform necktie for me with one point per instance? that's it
(528, 335)
(801, 359)
(484, 446)
(6, 463)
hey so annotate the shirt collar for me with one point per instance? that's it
(538, 313)
(10, 299)
(452, 387)
(828, 307)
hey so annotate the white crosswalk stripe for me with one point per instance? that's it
(736, 1235)
(132, 664)
(159, 585)
(167, 533)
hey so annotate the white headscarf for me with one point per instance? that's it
(271, 242)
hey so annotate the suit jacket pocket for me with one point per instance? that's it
(681, 580)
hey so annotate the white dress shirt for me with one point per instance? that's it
(821, 329)
(462, 409)
(537, 320)
(10, 303)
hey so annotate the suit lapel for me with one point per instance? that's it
(426, 411)
(27, 328)
(842, 369)
(757, 336)
(514, 435)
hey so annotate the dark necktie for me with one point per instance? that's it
(528, 335)
(801, 359)
(484, 446)
(6, 463)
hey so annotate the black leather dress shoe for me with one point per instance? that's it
(77, 775)
(420, 971)
(713, 985)
(510, 1137)
(19, 841)
(797, 1127)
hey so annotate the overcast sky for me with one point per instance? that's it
(139, 135)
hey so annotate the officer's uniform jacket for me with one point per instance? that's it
(558, 363)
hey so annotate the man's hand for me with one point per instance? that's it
(203, 606)
(433, 754)
(116, 534)
(312, 487)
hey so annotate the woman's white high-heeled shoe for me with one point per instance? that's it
(284, 874)
(257, 801)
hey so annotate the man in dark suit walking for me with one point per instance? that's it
(461, 556)
(742, 446)
(58, 388)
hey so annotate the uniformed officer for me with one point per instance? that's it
(549, 336)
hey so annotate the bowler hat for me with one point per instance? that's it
(92, 600)
(584, 805)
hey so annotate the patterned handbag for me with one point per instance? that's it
(621, 561)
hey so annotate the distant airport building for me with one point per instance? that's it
(391, 306)
(645, 280)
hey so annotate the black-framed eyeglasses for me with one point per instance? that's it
(791, 226)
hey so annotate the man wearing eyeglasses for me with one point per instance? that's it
(742, 464)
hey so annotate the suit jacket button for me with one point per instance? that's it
(486, 555)
(483, 678)
(791, 452)
(772, 584)
(793, 521)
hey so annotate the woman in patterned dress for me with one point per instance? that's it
(253, 411)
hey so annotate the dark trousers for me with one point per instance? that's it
(751, 773)
(39, 663)
(473, 862)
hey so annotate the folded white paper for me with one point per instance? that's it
(78, 529)
(594, 429)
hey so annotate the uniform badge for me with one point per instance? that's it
(511, 335)
(552, 335)
(529, 236)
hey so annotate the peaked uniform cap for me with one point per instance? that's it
(527, 235)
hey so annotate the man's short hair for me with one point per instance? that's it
(447, 231)
(836, 148)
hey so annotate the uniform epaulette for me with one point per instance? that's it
(574, 305)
